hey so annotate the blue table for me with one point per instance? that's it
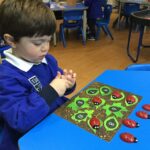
(55, 133)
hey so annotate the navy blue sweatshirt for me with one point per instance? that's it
(26, 98)
(94, 8)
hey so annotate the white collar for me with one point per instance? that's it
(18, 62)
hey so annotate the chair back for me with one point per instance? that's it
(107, 12)
(104, 22)
(73, 18)
(73, 15)
(129, 8)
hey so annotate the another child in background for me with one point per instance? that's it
(94, 12)
(31, 84)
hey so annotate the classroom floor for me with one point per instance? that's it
(97, 56)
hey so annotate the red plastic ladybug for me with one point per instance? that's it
(143, 115)
(130, 99)
(96, 100)
(130, 123)
(95, 123)
(127, 137)
(116, 94)
(146, 107)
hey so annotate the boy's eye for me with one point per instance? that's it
(37, 43)
(40, 42)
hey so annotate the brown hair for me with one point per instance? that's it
(29, 18)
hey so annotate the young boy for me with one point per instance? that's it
(94, 12)
(31, 83)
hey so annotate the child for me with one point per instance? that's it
(31, 84)
(94, 12)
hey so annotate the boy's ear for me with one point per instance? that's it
(10, 40)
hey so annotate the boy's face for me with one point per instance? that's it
(32, 49)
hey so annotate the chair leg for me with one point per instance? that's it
(97, 33)
(104, 30)
(127, 21)
(62, 36)
(79, 32)
(116, 21)
(83, 37)
(108, 31)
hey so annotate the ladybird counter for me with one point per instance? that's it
(56, 133)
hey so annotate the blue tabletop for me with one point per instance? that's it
(56, 133)
(64, 6)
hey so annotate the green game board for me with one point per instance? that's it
(99, 109)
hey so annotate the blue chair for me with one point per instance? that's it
(138, 67)
(72, 19)
(129, 8)
(104, 22)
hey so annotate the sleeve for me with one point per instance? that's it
(21, 108)
(69, 91)
(49, 94)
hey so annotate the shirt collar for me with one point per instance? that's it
(18, 62)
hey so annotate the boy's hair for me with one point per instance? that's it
(21, 18)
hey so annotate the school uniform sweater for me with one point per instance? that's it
(25, 96)
(94, 8)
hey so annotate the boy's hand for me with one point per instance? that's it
(59, 84)
(70, 77)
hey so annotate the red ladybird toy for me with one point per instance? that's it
(130, 99)
(143, 115)
(96, 100)
(116, 94)
(146, 107)
(127, 137)
(95, 123)
(130, 123)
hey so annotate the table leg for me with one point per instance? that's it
(119, 16)
(84, 23)
(139, 43)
